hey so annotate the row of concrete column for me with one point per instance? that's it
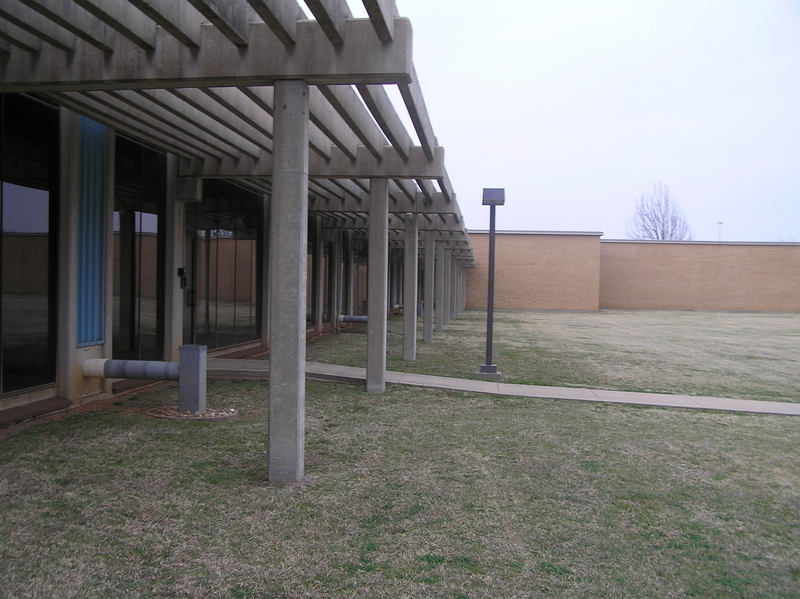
(284, 279)
(444, 283)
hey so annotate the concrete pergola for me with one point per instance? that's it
(291, 105)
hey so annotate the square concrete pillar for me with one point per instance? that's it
(448, 286)
(318, 272)
(453, 287)
(265, 279)
(335, 283)
(439, 276)
(377, 284)
(287, 268)
(427, 315)
(174, 260)
(411, 274)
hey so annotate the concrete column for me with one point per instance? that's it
(335, 284)
(377, 279)
(453, 287)
(448, 286)
(288, 241)
(174, 255)
(69, 363)
(349, 268)
(318, 271)
(411, 273)
(265, 278)
(427, 302)
(439, 292)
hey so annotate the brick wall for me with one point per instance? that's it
(546, 271)
(700, 276)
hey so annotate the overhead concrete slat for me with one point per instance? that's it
(331, 16)
(427, 187)
(5, 47)
(326, 194)
(15, 36)
(408, 187)
(415, 104)
(281, 16)
(350, 187)
(446, 186)
(76, 20)
(130, 123)
(224, 117)
(243, 107)
(347, 103)
(231, 17)
(124, 18)
(35, 25)
(165, 113)
(325, 117)
(382, 14)
(363, 59)
(385, 115)
(180, 19)
(256, 115)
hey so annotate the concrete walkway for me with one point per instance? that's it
(219, 368)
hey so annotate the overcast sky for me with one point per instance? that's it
(577, 107)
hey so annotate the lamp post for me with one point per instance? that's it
(719, 224)
(492, 197)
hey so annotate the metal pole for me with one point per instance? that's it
(490, 301)
(492, 197)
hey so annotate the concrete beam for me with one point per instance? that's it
(345, 101)
(182, 21)
(401, 205)
(162, 109)
(412, 96)
(16, 36)
(390, 166)
(382, 14)
(331, 16)
(34, 28)
(339, 167)
(124, 18)
(280, 16)
(382, 109)
(232, 18)
(217, 63)
(330, 122)
(135, 123)
(210, 107)
(77, 21)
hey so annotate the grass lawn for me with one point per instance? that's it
(745, 355)
(414, 493)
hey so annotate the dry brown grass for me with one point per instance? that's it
(414, 493)
(718, 354)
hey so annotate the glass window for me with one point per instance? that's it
(28, 269)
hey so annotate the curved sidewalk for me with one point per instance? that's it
(259, 369)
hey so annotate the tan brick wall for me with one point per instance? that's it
(537, 271)
(697, 276)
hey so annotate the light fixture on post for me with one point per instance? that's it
(492, 197)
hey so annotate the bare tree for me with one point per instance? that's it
(657, 216)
